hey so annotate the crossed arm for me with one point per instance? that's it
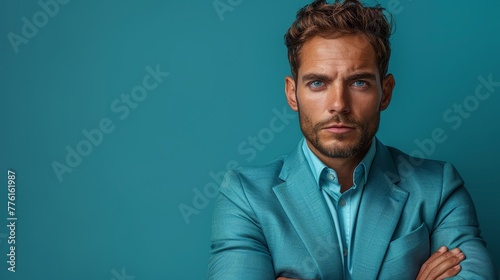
(240, 248)
(442, 264)
(247, 258)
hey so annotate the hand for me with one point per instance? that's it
(442, 264)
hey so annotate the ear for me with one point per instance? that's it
(290, 91)
(387, 87)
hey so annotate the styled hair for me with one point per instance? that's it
(347, 17)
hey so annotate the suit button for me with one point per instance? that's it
(345, 252)
(331, 177)
(342, 202)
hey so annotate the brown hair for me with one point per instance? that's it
(340, 18)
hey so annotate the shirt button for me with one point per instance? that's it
(345, 252)
(331, 177)
(342, 202)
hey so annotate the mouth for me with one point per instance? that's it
(339, 128)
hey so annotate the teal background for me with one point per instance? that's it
(117, 213)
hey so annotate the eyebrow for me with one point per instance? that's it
(315, 76)
(363, 76)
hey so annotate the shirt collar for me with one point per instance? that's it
(360, 172)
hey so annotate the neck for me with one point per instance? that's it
(344, 167)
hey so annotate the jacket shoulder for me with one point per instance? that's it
(402, 160)
(427, 174)
(258, 176)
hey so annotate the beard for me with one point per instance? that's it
(346, 148)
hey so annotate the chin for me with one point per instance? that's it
(340, 147)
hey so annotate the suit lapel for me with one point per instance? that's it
(305, 206)
(379, 212)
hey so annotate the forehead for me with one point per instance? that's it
(346, 53)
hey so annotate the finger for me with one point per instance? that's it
(439, 252)
(424, 269)
(445, 262)
(450, 272)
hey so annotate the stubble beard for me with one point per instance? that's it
(363, 137)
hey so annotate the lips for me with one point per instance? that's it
(339, 128)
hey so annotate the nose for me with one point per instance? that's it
(338, 100)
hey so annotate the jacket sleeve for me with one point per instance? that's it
(456, 225)
(238, 246)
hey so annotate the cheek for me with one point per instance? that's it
(370, 101)
(313, 103)
(365, 105)
(367, 112)
(309, 107)
(315, 115)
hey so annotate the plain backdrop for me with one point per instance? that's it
(113, 212)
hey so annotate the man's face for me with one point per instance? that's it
(339, 95)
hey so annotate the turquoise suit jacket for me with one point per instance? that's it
(273, 221)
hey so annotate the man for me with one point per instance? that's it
(343, 205)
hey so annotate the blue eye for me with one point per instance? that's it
(317, 84)
(359, 83)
